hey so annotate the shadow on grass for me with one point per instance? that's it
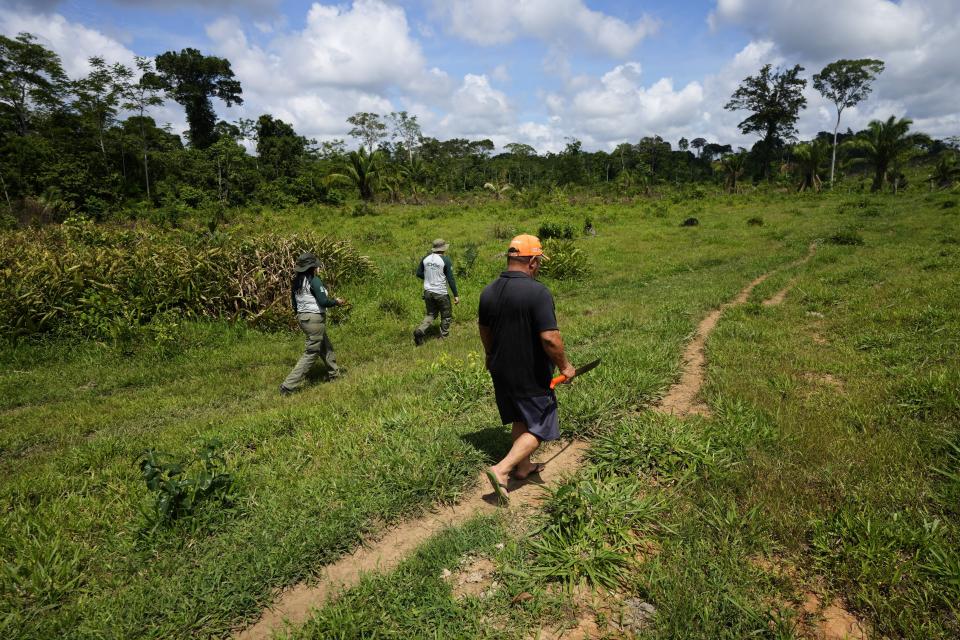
(492, 442)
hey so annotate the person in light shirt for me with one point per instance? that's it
(436, 271)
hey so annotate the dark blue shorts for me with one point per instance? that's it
(538, 413)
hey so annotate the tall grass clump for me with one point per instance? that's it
(82, 279)
(566, 260)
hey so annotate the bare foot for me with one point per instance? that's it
(532, 468)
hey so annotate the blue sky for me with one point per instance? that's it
(534, 71)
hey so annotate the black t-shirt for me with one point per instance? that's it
(516, 308)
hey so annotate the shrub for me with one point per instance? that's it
(179, 487)
(690, 222)
(948, 204)
(755, 221)
(106, 283)
(846, 237)
(465, 263)
(555, 230)
(566, 260)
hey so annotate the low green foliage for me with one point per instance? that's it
(181, 486)
(846, 237)
(566, 260)
(106, 283)
(592, 530)
(561, 230)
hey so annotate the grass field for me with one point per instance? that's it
(832, 462)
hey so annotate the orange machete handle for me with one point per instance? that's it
(558, 380)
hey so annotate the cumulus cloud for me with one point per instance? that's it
(345, 59)
(74, 43)
(915, 38)
(477, 109)
(491, 22)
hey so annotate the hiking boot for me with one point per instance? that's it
(417, 338)
(285, 392)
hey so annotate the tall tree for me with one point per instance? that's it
(191, 78)
(683, 144)
(279, 148)
(774, 98)
(846, 83)
(407, 130)
(98, 95)
(32, 81)
(698, 144)
(138, 97)
(368, 128)
(884, 144)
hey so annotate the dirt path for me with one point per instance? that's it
(683, 398)
(294, 605)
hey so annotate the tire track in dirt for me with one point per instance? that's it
(683, 397)
(294, 605)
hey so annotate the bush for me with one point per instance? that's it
(107, 283)
(846, 237)
(555, 230)
(566, 260)
(755, 221)
(465, 263)
(690, 222)
(180, 487)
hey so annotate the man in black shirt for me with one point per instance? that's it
(518, 328)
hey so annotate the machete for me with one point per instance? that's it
(562, 378)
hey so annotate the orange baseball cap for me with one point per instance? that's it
(526, 245)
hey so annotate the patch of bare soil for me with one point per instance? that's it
(293, 606)
(475, 578)
(600, 614)
(830, 622)
(824, 380)
(778, 298)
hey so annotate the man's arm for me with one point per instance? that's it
(319, 293)
(448, 272)
(486, 337)
(420, 269)
(553, 344)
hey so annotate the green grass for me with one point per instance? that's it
(787, 465)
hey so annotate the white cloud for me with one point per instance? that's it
(617, 107)
(477, 109)
(74, 43)
(917, 39)
(826, 28)
(491, 22)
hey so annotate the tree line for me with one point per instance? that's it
(92, 145)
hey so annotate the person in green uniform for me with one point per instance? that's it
(310, 302)
(436, 271)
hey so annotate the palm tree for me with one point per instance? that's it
(362, 170)
(732, 166)
(946, 171)
(809, 157)
(498, 187)
(884, 145)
